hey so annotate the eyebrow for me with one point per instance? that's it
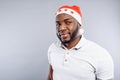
(66, 19)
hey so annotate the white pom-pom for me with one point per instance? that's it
(81, 31)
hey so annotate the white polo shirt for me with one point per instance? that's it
(85, 61)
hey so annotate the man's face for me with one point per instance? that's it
(66, 28)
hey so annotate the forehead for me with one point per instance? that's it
(62, 17)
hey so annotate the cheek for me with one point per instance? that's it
(57, 32)
(72, 28)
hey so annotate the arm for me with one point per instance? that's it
(105, 70)
(101, 79)
(50, 77)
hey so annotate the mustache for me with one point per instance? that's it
(61, 33)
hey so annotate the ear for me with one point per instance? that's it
(79, 25)
(81, 30)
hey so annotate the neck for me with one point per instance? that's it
(73, 43)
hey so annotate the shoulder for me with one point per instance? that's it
(98, 51)
(102, 59)
(95, 47)
(54, 46)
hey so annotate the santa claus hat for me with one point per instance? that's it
(74, 11)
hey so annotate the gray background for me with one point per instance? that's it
(27, 29)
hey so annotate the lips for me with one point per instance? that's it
(64, 36)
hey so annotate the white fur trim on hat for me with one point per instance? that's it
(70, 12)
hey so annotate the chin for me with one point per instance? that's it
(65, 41)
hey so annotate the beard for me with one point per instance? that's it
(72, 37)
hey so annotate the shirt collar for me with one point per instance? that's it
(79, 45)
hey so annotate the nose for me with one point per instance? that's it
(62, 27)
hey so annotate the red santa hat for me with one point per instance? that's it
(74, 11)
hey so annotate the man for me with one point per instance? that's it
(74, 57)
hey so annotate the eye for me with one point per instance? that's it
(57, 24)
(68, 22)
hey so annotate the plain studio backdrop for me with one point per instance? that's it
(27, 28)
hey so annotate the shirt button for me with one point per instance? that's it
(67, 52)
(65, 60)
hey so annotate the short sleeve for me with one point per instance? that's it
(105, 68)
(49, 52)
